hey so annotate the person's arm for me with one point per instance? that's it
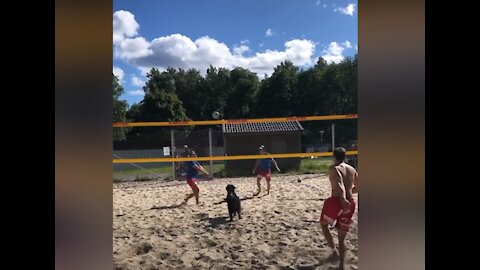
(337, 179)
(276, 165)
(256, 166)
(355, 184)
(200, 168)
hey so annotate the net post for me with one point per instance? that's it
(210, 149)
(172, 154)
(333, 136)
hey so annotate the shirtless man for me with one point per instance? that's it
(338, 210)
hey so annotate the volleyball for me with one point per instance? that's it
(215, 115)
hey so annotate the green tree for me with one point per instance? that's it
(244, 85)
(218, 87)
(191, 89)
(275, 95)
(347, 83)
(323, 89)
(133, 112)
(161, 103)
(119, 110)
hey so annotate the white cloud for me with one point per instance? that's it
(137, 81)
(299, 52)
(132, 48)
(347, 44)
(136, 93)
(348, 10)
(146, 69)
(318, 3)
(245, 41)
(356, 47)
(324, 5)
(269, 32)
(179, 51)
(119, 73)
(334, 52)
(261, 44)
(239, 50)
(124, 25)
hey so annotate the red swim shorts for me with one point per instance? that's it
(266, 174)
(334, 215)
(192, 182)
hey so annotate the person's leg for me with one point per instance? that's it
(342, 248)
(329, 238)
(189, 196)
(258, 184)
(331, 206)
(268, 178)
(192, 185)
(196, 192)
(343, 227)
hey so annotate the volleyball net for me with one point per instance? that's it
(157, 150)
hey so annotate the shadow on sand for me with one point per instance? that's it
(167, 206)
(243, 199)
(217, 221)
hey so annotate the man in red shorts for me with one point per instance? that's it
(192, 169)
(338, 210)
(263, 169)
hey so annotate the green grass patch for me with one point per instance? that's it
(136, 171)
(313, 166)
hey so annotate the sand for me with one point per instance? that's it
(277, 231)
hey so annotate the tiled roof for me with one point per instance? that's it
(262, 127)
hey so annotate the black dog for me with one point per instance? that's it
(233, 202)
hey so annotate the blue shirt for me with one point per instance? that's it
(191, 171)
(265, 164)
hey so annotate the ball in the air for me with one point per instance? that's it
(215, 115)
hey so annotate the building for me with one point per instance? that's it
(244, 139)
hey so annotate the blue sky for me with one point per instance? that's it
(254, 34)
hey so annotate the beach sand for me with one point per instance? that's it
(152, 230)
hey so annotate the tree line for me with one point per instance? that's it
(178, 94)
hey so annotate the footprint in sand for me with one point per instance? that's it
(144, 248)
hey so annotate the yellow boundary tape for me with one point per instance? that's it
(236, 121)
(238, 157)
